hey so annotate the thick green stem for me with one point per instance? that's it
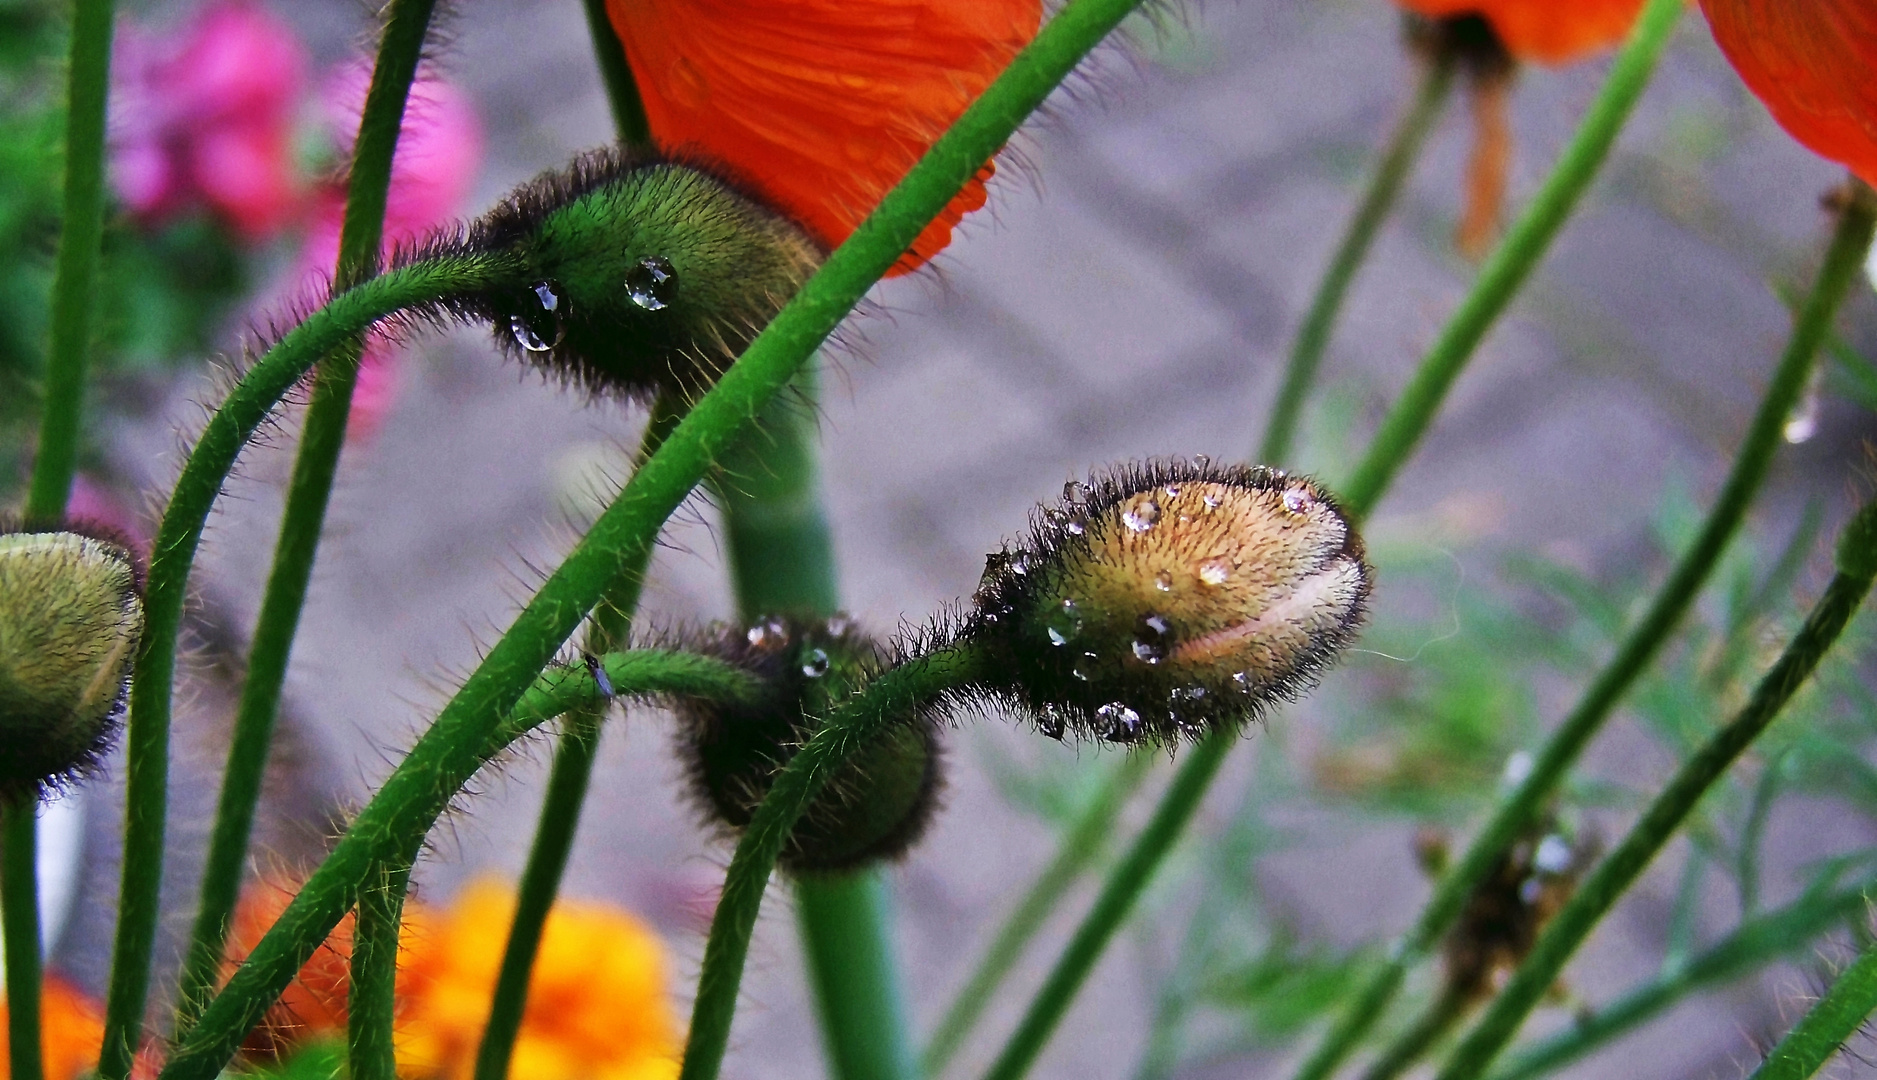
(1124, 886)
(622, 92)
(1083, 842)
(19, 902)
(322, 437)
(1822, 1032)
(1752, 946)
(781, 559)
(1857, 562)
(1632, 658)
(88, 80)
(166, 590)
(1391, 172)
(567, 784)
(448, 751)
(371, 1002)
(1508, 267)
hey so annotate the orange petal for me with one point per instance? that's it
(1546, 31)
(1814, 64)
(820, 106)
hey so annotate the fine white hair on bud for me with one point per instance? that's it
(1168, 598)
(71, 617)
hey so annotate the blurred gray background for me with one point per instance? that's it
(1131, 291)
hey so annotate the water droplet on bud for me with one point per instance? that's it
(538, 328)
(1084, 668)
(653, 283)
(1215, 571)
(815, 663)
(1141, 516)
(1164, 581)
(1075, 493)
(1151, 636)
(1120, 723)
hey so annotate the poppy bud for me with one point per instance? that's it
(1170, 598)
(878, 803)
(71, 614)
(642, 274)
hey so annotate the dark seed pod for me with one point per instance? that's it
(71, 615)
(644, 274)
(879, 803)
(1165, 599)
(1529, 884)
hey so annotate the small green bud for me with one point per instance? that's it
(1166, 599)
(879, 803)
(71, 614)
(642, 274)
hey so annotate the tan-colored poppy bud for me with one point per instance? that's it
(71, 615)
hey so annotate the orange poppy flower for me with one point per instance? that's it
(1814, 64)
(71, 1027)
(820, 106)
(597, 1006)
(1545, 31)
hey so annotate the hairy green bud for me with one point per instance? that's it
(1165, 599)
(71, 615)
(640, 274)
(879, 802)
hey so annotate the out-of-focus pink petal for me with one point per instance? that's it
(238, 171)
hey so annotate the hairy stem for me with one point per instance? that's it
(361, 236)
(1857, 562)
(371, 1003)
(166, 590)
(567, 783)
(1752, 946)
(1632, 658)
(1391, 172)
(1826, 1026)
(1512, 262)
(19, 919)
(1081, 844)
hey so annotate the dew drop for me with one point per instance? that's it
(1064, 625)
(839, 625)
(815, 663)
(1553, 856)
(1173, 491)
(1151, 635)
(538, 328)
(1802, 421)
(1075, 493)
(1073, 526)
(1141, 516)
(758, 635)
(1242, 680)
(1215, 571)
(1123, 723)
(1164, 581)
(1202, 461)
(1051, 723)
(1212, 502)
(1296, 500)
(653, 283)
(1189, 693)
(1084, 668)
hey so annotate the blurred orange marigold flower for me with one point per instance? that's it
(71, 1031)
(1546, 31)
(820, 106)
(597, 1007)
(1814, 64)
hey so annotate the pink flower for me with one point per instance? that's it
(204, 118)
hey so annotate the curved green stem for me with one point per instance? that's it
(1515, 258)
(1857, 562)
(88, 79)
(1084, 841)
(895, 694)
(567, 783)
(1124, 886)
(411, 799)
(1391, 172)
(1632, 658)
(322, 437)
(371, 1001)
(1752, 946)
(166, 590)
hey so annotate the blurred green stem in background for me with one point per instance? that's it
(1083, 842)
(1747, 949)
(782, 562)
(622, 92)
(322, 437)
(1398, 158)
(61, 427)
(1599, 892)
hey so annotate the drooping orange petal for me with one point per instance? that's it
(1488, 167)
(820, 106)
(1814, 64)
(1545, 31)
